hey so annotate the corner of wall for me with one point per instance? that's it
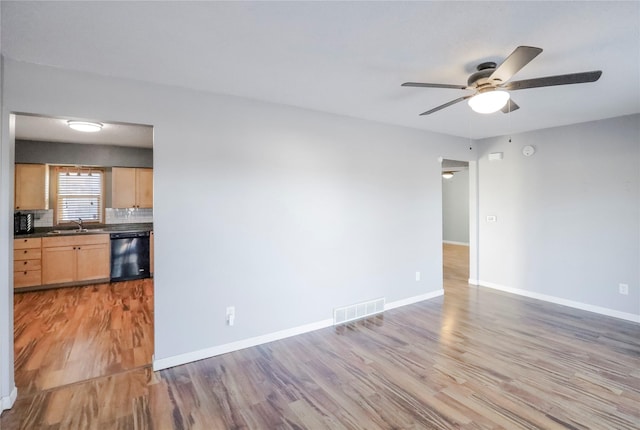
(7, 402)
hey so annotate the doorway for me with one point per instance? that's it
(71, 331)
(456, 223)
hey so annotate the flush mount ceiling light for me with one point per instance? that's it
(87, 127)
(447, 175)
(489, 101)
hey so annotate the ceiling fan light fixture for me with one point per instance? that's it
(87, 127)
(447, 175)
(489, 101)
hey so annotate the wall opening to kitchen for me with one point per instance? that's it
(83, 219)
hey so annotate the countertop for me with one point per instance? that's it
(104, 229)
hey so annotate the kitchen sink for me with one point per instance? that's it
(75, 231)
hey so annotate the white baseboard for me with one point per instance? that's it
(560, 301)
(414, 299)
(176, 360)
(451, 242)
(474, 281)
(8, 401)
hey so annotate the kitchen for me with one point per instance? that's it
(83, 239)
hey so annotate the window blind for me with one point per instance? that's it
(79, 195)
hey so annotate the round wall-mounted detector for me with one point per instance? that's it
(528, 151)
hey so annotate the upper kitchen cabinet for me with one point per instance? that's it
(144, 188)
(132, 187)
(30, 186)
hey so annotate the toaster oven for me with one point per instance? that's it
(23, 223)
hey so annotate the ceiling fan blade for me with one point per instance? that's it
(452, 102)
(425, 85)
(519, 58)
(510, 106)
(550, 81)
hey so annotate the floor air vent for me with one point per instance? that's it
(357, 311)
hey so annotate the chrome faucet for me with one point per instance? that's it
(79, 222)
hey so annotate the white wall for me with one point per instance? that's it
(7, 389)
(568, 218)
(455, 208)
(304, 211)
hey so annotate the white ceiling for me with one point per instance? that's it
(32, 127)
(349, 58)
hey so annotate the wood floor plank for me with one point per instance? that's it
(475, 359)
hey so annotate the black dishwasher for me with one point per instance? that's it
(129, 255)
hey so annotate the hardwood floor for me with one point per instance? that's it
(67, 335)
(472, 359)
(456, 266)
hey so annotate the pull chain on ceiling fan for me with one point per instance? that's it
(490, 86)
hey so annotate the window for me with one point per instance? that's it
(79, 194)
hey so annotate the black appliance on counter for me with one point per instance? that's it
(130, 255)
(23, 223)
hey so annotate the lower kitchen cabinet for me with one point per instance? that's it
(60, 264)
(27, 263)
(75, 259)
(94, 261)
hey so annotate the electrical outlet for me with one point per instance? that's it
(231, 315)
(417, 276)
(623, 289)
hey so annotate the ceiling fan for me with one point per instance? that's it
(491, 87)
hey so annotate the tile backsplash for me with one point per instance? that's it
(127, 216)
(44, 218)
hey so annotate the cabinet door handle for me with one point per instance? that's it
(25, 273)
(25, 251)
(25, 263)
(25, 241)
